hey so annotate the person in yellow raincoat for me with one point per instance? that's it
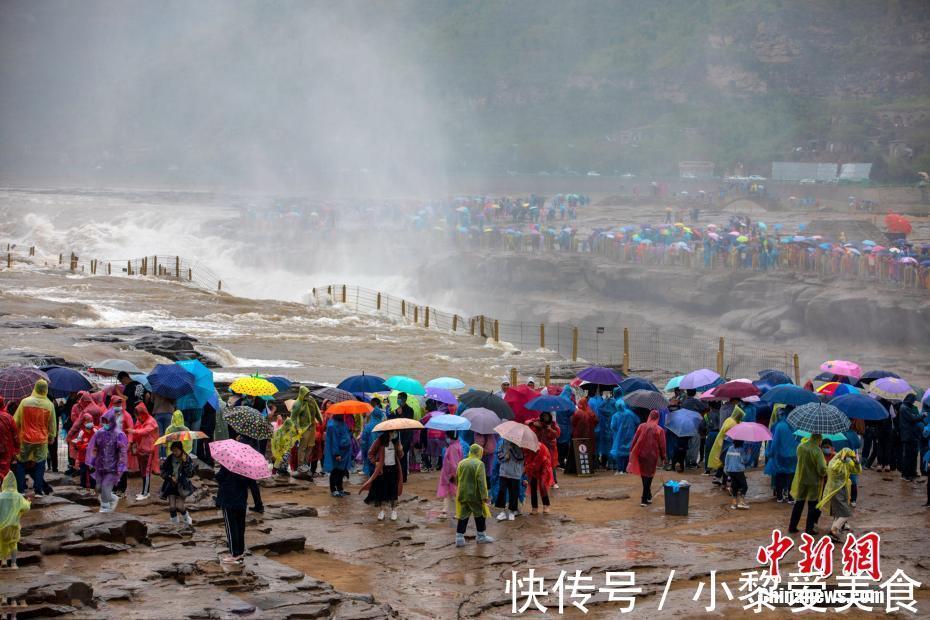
(281, 443)
(12, 506)
(808, 483)
(836, 493)
(471, 499)
(716, 456)
(176, 426)
(306, 415)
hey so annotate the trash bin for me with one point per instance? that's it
(676, 498)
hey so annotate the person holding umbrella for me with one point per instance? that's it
(385, 484)
(337, 454)
(471, 499)
(584, 421)
(232, 495)
(368, 436)
(403, 410)
(511, 460)
(812, 467)
(910, 423)
(647, 451)
(547, 431)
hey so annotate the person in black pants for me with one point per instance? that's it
(253, 487)
(336, 478)
(208, 427)
(403, 410)
(232, 499)
(647, 490)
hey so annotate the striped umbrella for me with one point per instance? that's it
(16, 382)
(819, 418)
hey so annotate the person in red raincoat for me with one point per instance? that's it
(584, 421)
(142, 438)
(647, 451)
(547, 432)
(9, 439)
(538, 469)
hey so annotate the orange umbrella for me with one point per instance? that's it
(349, 407)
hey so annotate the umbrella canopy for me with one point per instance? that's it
(631, 384)
(203, 385)
(16, 382)
(486, 400)
(253, 386)
(248, 421)
(818, 418)
(240, 458)
(446, 383)
(517, 433)
(695, 404)
(405, 384)
(736, 389)
(872, 375)
(482, 420)
(171, 381)
(750, 431)
(673, 383)
(441, 395)
(775, 377)
(350, 407)
(170, 438)
(359, 384)
(684, 422)
(843, 368)
(698, 379)
(412, 402)
(926, 397)
(789, 395)
(600, 375)
(830, 436)
(282, 383)
(397, 424)
(333, 395)
(114, 366)
(63, 381)
(860, 407)
(835, 388)
(891, 388)
(646, 399)
(517, 397)
(447, 422)
(144, 380)
(550, 403)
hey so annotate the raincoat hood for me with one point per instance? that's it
(12, 505)
(176, 426)
(177, 418)
(142, 412)
(9, 483)
(653, 418)
(41, 388)
(475, 451)
(84, 399)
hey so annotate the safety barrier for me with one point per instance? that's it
(631, 349)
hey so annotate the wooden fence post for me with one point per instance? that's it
(129, 268)
(626, 350)
(379, 301)
(9, 260)
(547, 377)
(720, 351)
(483, 334)
(155, 265)
(426, 317)
(542, 335)
(455, 322)
(513, 376)
(190, 274)
(797, 370)
(109, 269)
(61, 258)
(343, 293)
(416, 314)
(497, 331)
(219, 286)
(471, 327)
(574, 344)
(403, 308)
(177, 267)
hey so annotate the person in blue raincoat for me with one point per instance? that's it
(564, 420)
(337, 454)
(603, 434)
(623, 425)
(781, 457)
(368, 435)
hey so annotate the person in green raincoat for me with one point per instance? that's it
(281, 443)
(176, 426)
(471, 499)
(306, 415)
(807, 484)
(717, 452)
(836, 492)
(12, 506)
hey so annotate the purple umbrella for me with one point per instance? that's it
(890, 388)
(600, 376)
(16, 382)
(441, 395)
(926, 398)
(698, 378)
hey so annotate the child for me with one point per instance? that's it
(82, 435)
(735, 469)
(12, 506)
(177, 470)
(471, 498)
(107, 453)
(232, 498)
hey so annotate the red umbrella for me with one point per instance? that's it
(553, 390)
(517, 397)
(736, 389)
(897, 224)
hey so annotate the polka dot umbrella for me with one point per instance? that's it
(240, 458)
(248, 421)
(253, 386)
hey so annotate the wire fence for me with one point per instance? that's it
(632, 349)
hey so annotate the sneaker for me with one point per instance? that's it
(502, 516)
(393, 515)
(174, 519)
(381, 516)
(333, 494)
(545, 510)
(534, 511)
(484, 539)
(555, 486)
(187, 518)
(231, 560)
(853, 504)
(459, 540)
(258, 509)
(733, 506)
(643, 504)
(141, 497)
(743, 506)
(511, 516)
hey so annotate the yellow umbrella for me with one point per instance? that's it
(411, 401)
(253, 386)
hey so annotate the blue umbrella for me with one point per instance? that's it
(631, 384)
(789, 395)
(446, 383)
(203, 385)
(600, 376)
(447, 422)
(684, 422)
(405, 384)
(550, 403)
(358, 384)
(171, 381)
(775, 377)
(282, 383)
(64, 381)
(872, 375)
(860, 407)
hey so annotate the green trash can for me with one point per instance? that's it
(676, 498)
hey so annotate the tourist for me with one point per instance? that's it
(805, 488)
(403, 410)
(647, 451)
(385, 484)
(107, 454)
(12, 507)
(177, 426)
(510, 475)
(505, 385)
(910, 424)
(584, 422)
(781, 457)
(9, 440)
(471, 499)
(37, 428)
(125, 423)
(605, 412)
(548, 432)
(736, 471)
(177, 471)
(142, 444)
(712, 431)
(163, 411)
(337, 454)
(83, 431)
(284, 438)
(836, 493)
(369, 435)
(722, 443)
(133, 391)
(232, 498)
(564, 420)
(446, 488)
(538, 467)
(623, 424)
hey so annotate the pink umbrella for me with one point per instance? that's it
(709, 395)
(713, 236)
(240, 458)
(518, 433)
(843, 368)
(749, 431)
